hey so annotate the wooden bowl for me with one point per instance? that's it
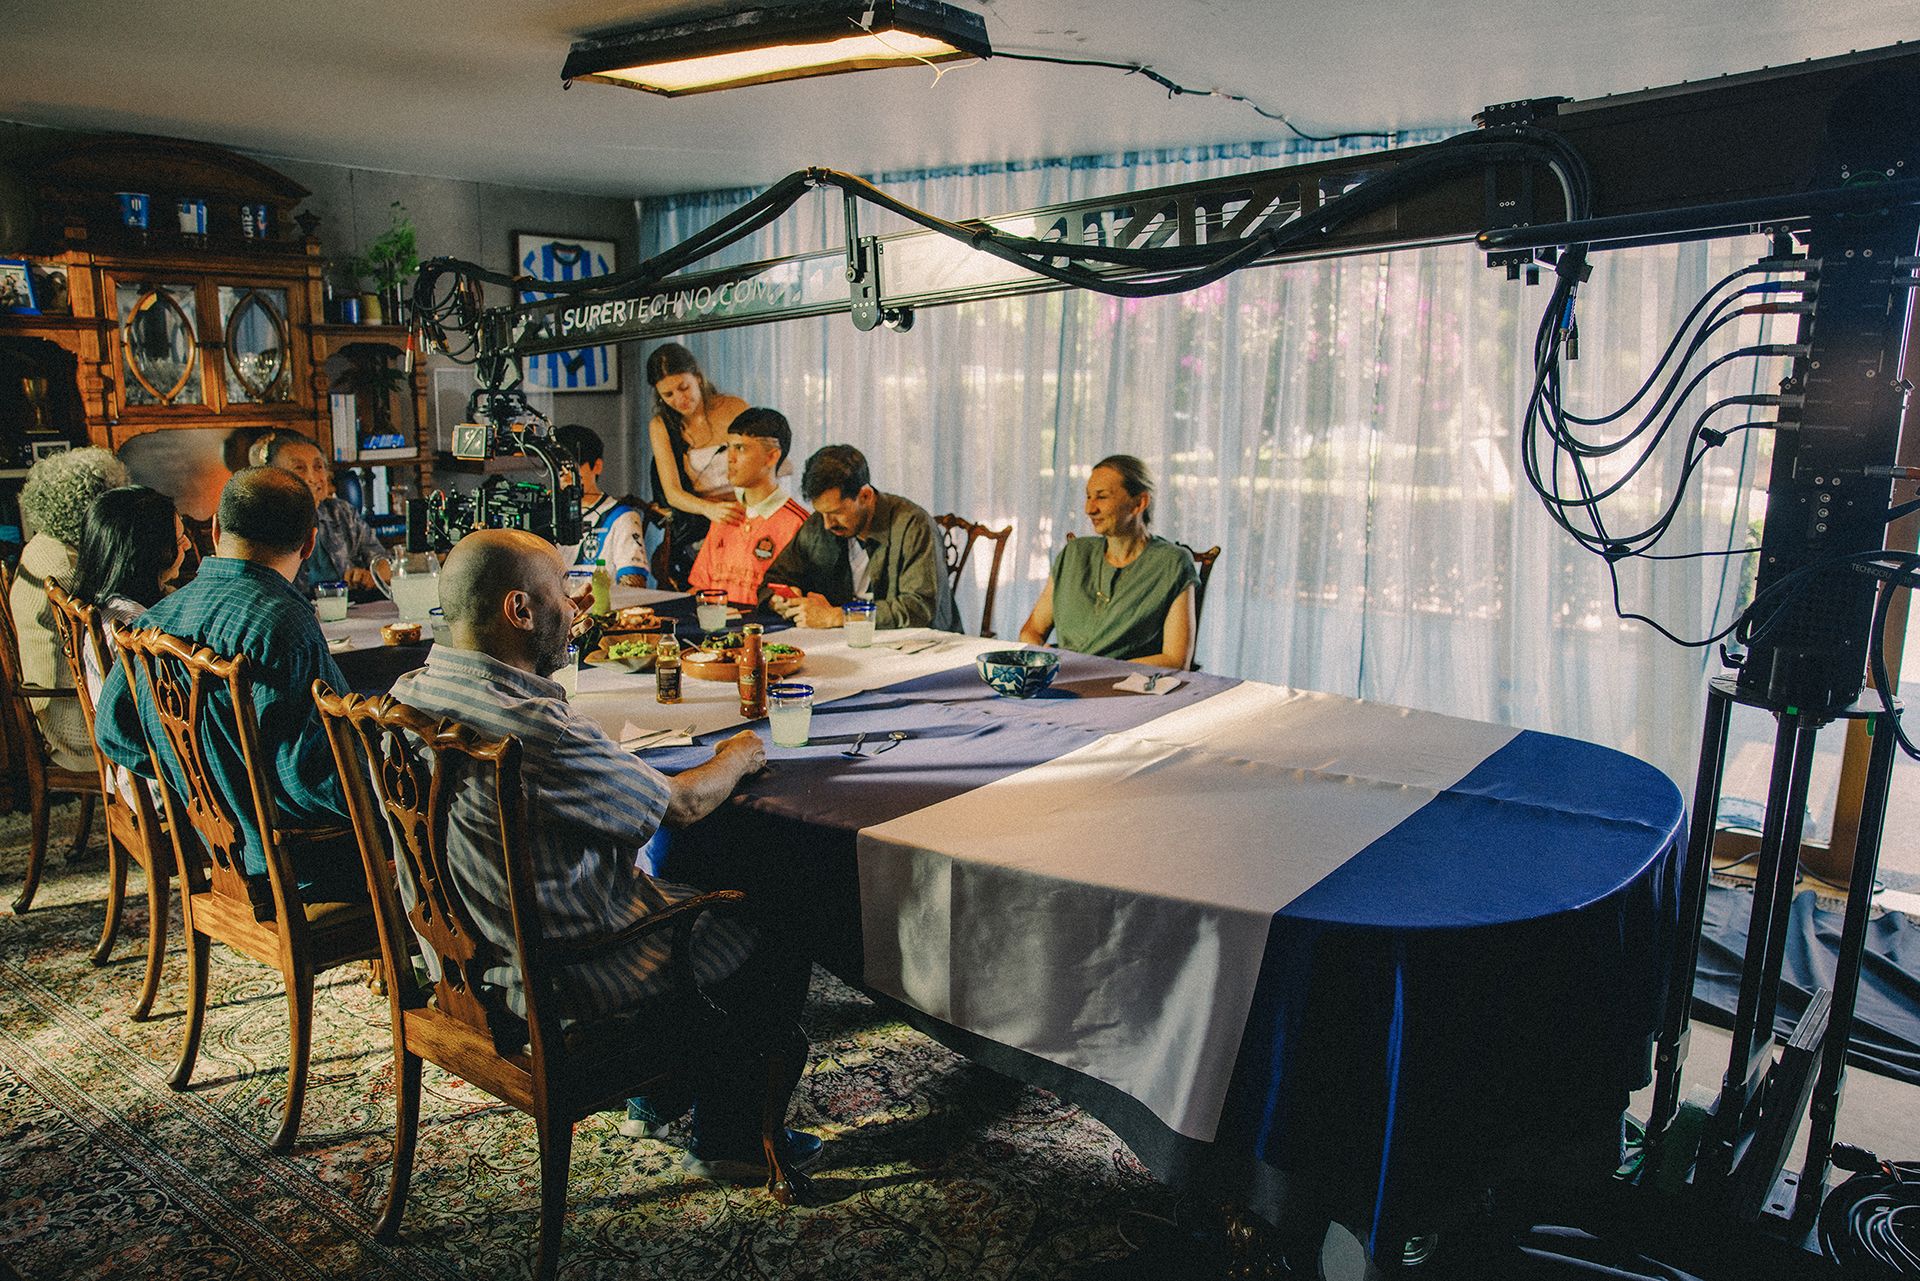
(723, 665)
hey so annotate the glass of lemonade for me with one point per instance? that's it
(330, 601)
(858, 619)
(711, 613)
(790, 713)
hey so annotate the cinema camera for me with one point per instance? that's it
(507, 427)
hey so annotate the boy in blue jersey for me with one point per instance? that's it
(611, 529)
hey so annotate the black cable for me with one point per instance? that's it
(1870, 1225)
(1877, 646)
(1177, 90)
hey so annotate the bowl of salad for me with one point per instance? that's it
(634, 653)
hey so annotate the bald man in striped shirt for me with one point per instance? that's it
(591, 809)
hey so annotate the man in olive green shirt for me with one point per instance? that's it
(859, 543)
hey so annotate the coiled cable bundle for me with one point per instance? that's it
(1870, 1225)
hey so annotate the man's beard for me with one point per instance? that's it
(550, 642)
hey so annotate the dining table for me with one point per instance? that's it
(1330, 957)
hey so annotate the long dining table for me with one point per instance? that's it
(1329, 956)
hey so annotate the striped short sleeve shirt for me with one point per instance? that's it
(591, 809)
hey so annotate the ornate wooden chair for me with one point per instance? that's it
(133, 826)
(401, 770)
(24, 744)
(1203, 562)
(958, 535)
(654, 515)
(268, 922)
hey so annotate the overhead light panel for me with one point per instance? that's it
(778, 40)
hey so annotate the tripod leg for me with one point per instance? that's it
(1825, 1108)
(1670, 1050)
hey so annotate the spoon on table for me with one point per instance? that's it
(893, 741)
(854, 752)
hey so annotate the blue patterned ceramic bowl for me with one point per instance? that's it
(1018, 673)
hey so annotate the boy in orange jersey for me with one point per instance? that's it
(734, 558)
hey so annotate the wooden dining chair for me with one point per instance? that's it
(42, 777)
(264, 918)
(654, 515)
(134, 832)
(958, 535)
(1203, 562)
(402, 769)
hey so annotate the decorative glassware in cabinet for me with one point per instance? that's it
(258, 370)
(158, 334)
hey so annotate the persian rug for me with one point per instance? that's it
(935, 1168)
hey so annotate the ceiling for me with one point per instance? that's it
(470, 88)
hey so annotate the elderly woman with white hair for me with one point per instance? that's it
(54, 501)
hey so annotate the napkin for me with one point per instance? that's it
(635, 739)
(339, 644)
(1137, 684)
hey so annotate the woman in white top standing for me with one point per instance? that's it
(689, 434)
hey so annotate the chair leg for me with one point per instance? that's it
(85, 829)
(116, 898)
(406, 1129)
(159, 906)
(198, 949)
(36, 854)
(556, 1150)
(773, 1120)
(300, 1028)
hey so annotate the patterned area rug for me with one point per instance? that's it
(935, 1168)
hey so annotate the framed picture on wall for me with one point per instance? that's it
(16, 287)
(550, 257)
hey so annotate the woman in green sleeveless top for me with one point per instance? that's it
(1126, 594)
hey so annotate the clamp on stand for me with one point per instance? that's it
(1751, 1131)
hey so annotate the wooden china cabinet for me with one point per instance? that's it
(222, 328)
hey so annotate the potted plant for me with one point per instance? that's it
(390, 260)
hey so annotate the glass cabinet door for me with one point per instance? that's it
(159, 338)
(258, 369)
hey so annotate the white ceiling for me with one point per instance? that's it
(471, 89)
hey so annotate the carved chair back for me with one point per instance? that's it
(402, 771)
(204, 705)
(958, 536)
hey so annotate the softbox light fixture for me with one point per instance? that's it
(778, 40)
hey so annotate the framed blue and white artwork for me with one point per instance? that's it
(549, 257)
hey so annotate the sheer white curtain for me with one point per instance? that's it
(1346, 431)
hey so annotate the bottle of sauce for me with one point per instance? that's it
(602, 589)
(752, 669)
(666, 668)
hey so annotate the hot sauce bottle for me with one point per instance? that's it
(752, 670)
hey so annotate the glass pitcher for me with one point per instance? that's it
(415, 588)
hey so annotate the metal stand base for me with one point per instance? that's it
(1750, 1134)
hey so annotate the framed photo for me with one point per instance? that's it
(551, 257)
(48, 448)
(16, 287)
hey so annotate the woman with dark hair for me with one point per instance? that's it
(130, 551)
(1127, 594)
(689, 435)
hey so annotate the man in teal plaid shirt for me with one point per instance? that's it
(243, 602)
